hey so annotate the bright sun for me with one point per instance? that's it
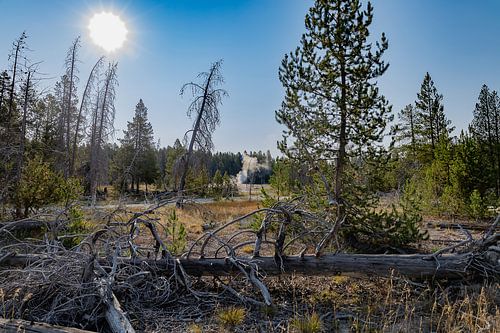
(108, 31)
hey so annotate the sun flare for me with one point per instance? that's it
(108, 31)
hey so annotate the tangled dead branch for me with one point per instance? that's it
(124, 267)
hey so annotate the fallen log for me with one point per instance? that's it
(417, 266)
(116, 318)
(17, 325)
(24, 225)
(458, 226)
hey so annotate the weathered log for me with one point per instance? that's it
(17, 325)
(26, 224)
(116, 318)
(416, 266)
(412, 266)
(458, 226)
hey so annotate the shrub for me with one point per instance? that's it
(40, 186)
(177, 233)
(477, 208)
(232, 316)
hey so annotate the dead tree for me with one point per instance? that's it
(17, 53)
(124, 265)
(22, 138)
(102, 125)
(84, 104)
(16, 325)
(205, 108)
(71, 71)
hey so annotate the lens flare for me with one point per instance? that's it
(108, 31)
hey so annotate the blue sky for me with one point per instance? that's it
(171, 41)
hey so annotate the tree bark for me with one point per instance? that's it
(80, 112)
(17, 325)
(25, 224)
(417, 266)
(68, 167)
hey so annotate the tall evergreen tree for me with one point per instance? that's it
(333, 108)
(431, 121)
(485, 128)
(138, 154)
(406, 131)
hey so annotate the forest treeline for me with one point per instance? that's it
(56, 144)
(442, 174)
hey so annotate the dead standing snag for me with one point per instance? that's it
(205, 108)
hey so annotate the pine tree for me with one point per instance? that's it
(406, 131)
(332, 108)
(217, 184)
(335, 119)
(431, 122)
(138, 148)
(485, 128)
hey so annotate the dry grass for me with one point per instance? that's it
(231, 317)
(343, 303)
(198, 217)
(307, 324)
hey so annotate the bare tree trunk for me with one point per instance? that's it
(22, 140)
(17, 325)
(2, 92)
(196, 128)
(93, 153)
(85, 96)
(416, 266)
(18, 45)
(68, 167)
(342, 137)
(102, 122)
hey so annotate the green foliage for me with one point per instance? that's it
(326, 119)
(226, 162)
(229, 186)
(217, 186)
(281, 178)
(411, 199)
(380, 230)
(76, 226)
(222, 186)
(431, 126)
(336, 132)
(41, 186)
(267, 202)
(309, 324)
(198, 180)
(375, 230)
(177, 234)
(477, 208)
(485, 128)
(136, 159)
